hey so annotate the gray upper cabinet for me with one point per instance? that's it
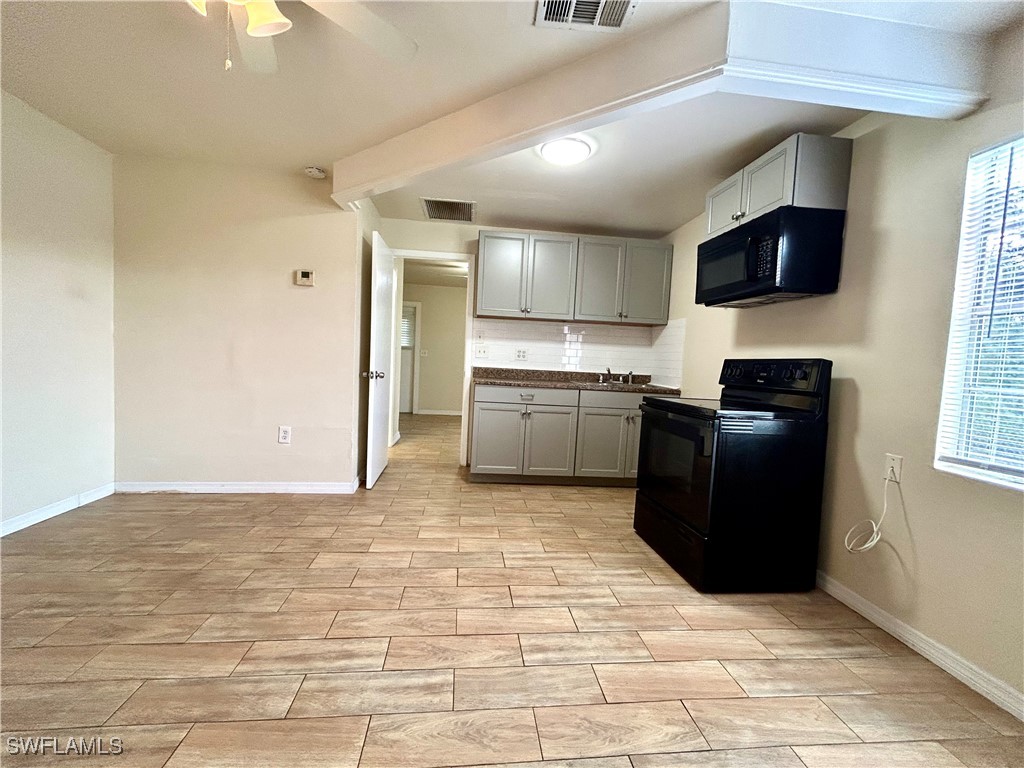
(545, 276)
(499, 430)
(550, 447)
(524, 275)
(647, 283)
(806, 170)
(724, 202)
(501, 274)
(551, 277)
(599, 279)
(623, 281)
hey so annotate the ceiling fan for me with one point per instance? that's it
(262, 19)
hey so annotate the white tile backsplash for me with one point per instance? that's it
(562, 346)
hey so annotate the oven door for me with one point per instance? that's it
(675, 464)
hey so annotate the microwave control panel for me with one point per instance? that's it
(764, 254)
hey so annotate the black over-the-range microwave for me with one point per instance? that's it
(789, 253)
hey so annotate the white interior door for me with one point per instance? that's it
(382, 339)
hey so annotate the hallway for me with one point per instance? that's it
(434, 622)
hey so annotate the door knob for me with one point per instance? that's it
(378, 374)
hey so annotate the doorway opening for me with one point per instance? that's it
(431, 316)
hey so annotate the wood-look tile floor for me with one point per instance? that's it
(435, 622)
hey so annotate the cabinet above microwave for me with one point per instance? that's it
(805, 170)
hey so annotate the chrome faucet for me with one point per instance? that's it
(629, 378)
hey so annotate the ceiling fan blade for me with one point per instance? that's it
(362, 23)
(258, 53)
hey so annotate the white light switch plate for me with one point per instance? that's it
(284, 435)
(480, 352)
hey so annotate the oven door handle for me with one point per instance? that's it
(699, 430)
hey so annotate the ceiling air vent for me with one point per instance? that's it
(601, 15)
(448, 210)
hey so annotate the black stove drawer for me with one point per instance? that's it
(681, 547)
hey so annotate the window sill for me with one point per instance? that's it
(980, 475)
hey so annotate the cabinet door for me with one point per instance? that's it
(723, 203)
(633, 442)
(648, 282)
(498, 431)
(601, 442)
(551, 284)
(550, 440)
(501, 274)
(602, 263)
(768, 181)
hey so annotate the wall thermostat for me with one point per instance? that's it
(305, 277)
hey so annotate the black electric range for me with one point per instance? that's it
(729, 490)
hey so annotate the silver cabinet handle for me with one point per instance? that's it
(738, 215)
(528, 310)
(525, 396)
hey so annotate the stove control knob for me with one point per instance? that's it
(788, 375)
(801, 374)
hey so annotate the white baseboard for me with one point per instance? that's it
(26, 519)
(992, 688)
(324, 488)
(425, 412)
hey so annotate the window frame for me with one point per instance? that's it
(942, 461)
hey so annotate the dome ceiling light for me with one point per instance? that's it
(568, 150)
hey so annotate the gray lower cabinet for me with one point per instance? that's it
(633, 442)
(608, 438)
(601, 442)
(550, 446)
(499, 430)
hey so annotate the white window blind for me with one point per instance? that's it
(408, 326)
(981, 423)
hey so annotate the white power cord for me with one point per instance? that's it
(864, 535)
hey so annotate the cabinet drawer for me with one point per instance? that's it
(526, 395)
(595, 399)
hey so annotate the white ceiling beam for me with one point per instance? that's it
(755, 48)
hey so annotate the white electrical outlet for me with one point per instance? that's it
(284, 435)
(520, 353)
(893, 467)
(480, 352)
(424, 353)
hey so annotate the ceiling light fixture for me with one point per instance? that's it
(568, 150)
(265, 19)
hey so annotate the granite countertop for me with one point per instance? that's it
(520, 377)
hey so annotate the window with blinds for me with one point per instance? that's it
(408, 326)
(981, 423)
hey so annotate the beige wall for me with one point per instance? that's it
(443, 338)
(58, 353)
(950, 565)
(215, 347)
